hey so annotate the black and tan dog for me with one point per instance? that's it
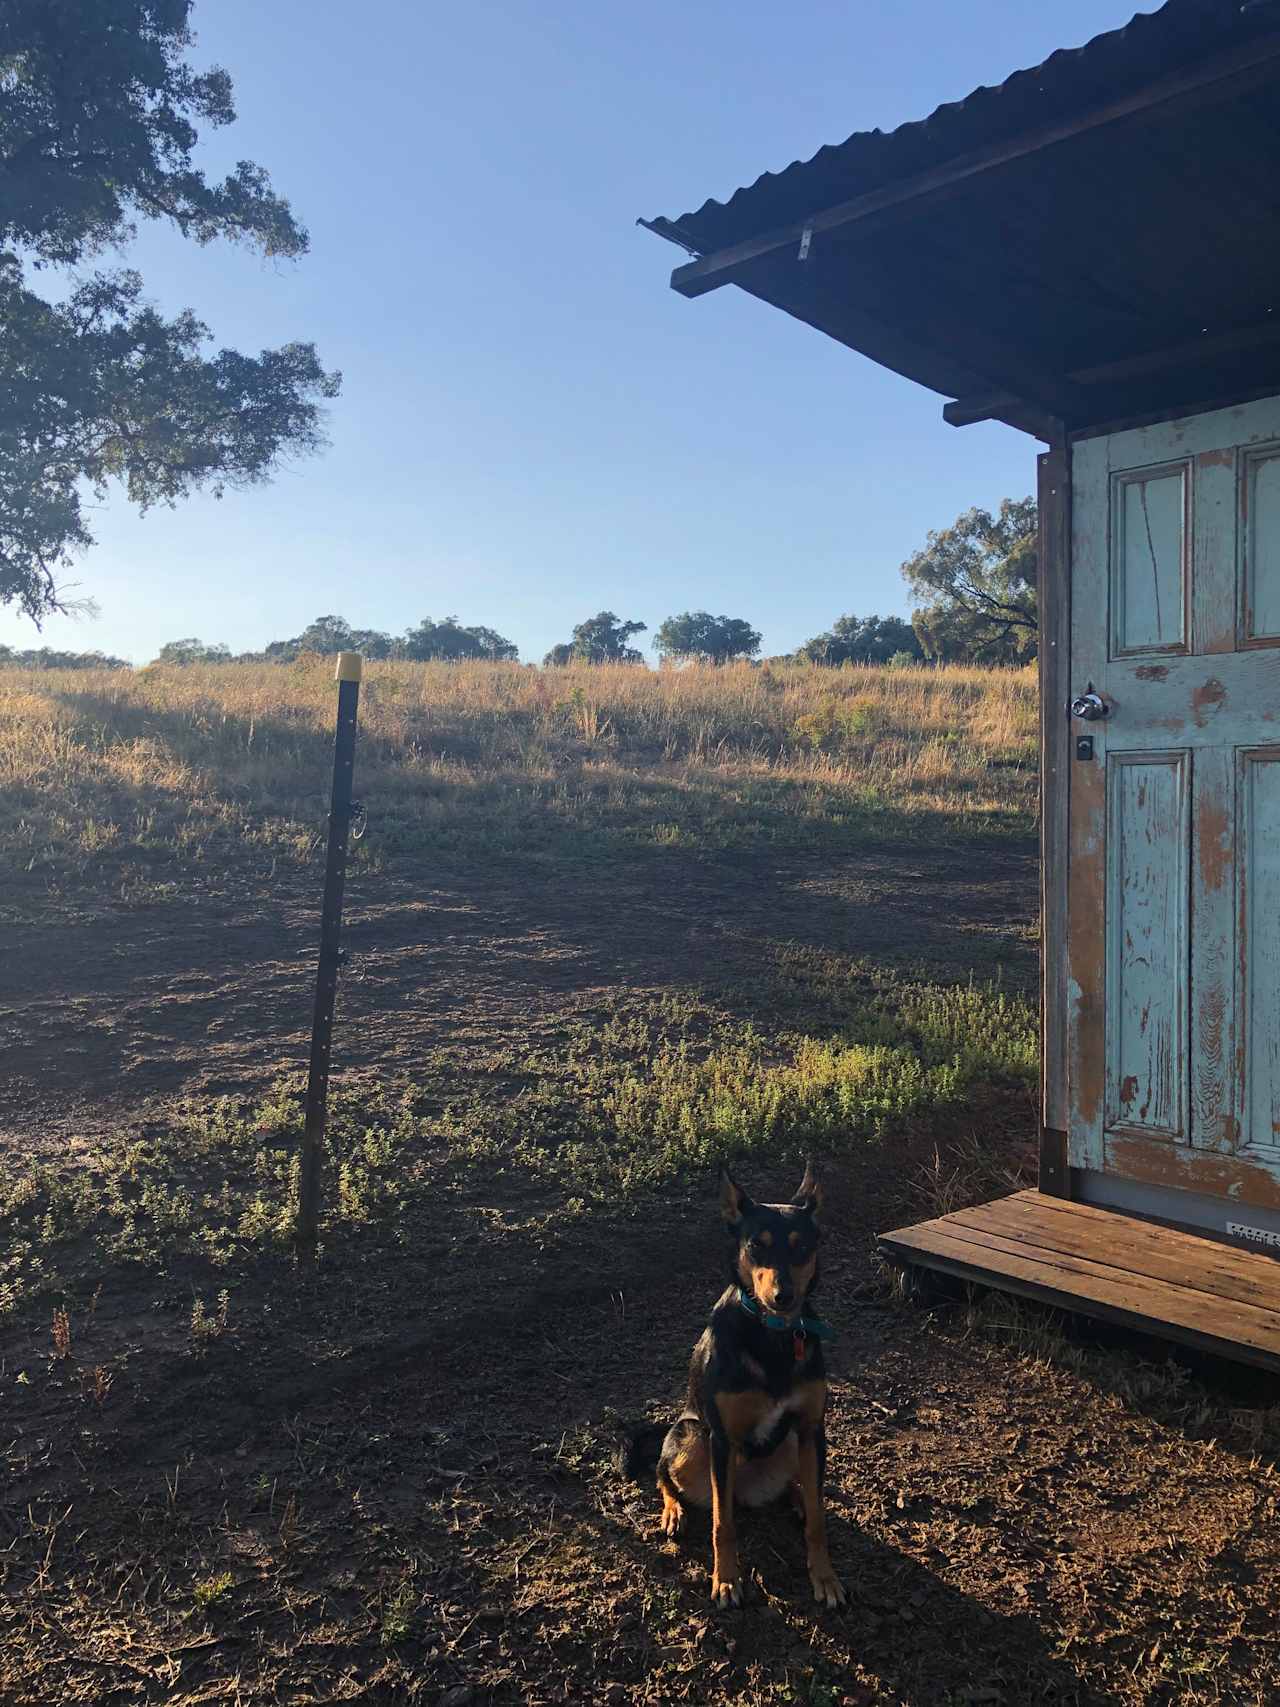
(753, 1425)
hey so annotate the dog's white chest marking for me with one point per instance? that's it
(772, 1417)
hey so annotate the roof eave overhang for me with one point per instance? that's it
(993, 380)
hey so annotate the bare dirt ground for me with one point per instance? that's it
(210, 994)
(394, 1480)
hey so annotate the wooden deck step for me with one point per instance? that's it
(1106, 1264)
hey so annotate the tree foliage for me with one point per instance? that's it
(601, 639)
(193, 651)
(711, 639)
(449, 639)
(863, 640)
(976, 586)
(99, 124)
(329, 634)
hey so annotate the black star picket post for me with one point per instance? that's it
(341, 811)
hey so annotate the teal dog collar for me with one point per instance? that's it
(806, 1327)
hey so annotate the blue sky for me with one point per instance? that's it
(532, 425)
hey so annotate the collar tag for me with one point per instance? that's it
(801, 1347)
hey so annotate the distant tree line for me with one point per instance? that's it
(47, 658)
(974, 584)
(600, 639)
(692, 636)
(447, 638)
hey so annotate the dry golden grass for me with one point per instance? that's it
(129, 780)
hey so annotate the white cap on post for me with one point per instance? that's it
(349, 665)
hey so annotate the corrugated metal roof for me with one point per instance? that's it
(1151, 45)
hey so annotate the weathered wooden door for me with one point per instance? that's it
(1173, 1005)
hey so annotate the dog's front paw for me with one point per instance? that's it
(726, 1591)
(673, 1519)
(826, 1584)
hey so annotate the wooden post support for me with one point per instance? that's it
(335, 871)
(1054, 598)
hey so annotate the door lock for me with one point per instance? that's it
(1089, 705)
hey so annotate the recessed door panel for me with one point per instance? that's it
(1147, 904)
(1149, 561)
(1259, 872)
(1262, 548)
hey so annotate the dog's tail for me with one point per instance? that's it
(639, 1449)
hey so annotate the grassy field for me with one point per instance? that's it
(608, 928)
(118, 784)
(124, 792)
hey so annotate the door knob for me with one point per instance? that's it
(1090, 705)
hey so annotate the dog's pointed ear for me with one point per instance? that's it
(809, 1195)
(734, 1202)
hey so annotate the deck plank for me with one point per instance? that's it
(1080, 1290)
(1150, 1234)
(1106, 1264)
(1160, 1253)
(1122, 1287)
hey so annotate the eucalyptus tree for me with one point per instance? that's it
(100, 117)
